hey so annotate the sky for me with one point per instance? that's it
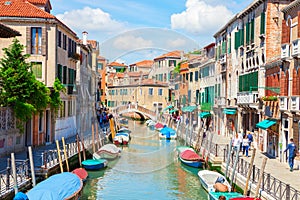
(130, 31)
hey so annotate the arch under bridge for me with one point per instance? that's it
(144, 113)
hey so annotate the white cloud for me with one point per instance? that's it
(131, 43)
(88, 19)
(176, 43)
(201, 18)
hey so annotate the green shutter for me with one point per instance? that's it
(236, 40)
(252, 30)
(242, 37)
(223, 47)
(247, 33)
(262, 23)
(229, 45)
(59, 72)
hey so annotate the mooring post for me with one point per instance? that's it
(14, 171)
(31, 166)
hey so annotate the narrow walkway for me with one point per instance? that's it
(277, 169)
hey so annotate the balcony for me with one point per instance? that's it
(294, 103)
(295, 48)
(247, 97)
(285, 51)
(223, 59)
(223, 68)
(283, 103)
(220, 102)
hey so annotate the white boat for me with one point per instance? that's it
(108, 151)
(209, 178)
(121, 138)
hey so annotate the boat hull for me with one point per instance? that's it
(196, 164)
(94, 164)
(228, 195)
(208, 179)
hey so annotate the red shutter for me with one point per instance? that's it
(285, 33)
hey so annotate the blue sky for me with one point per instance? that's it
(133, 30)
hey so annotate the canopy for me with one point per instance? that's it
(188, 108)
(265, 124)
(190, 155)
(229, 111)
(166, 130)
(58, 186)
(204, 114)
(174, 110)
(168, 107)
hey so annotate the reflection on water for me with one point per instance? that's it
(147, 169)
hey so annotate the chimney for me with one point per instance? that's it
(84, 37)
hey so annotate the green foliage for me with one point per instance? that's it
(55, 101)
(270, 98)
(19, 88)
(177, 69)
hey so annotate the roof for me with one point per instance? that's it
(120, 75)
(117, 64)
(151, 82)
(144, 63)
(134, 74)
(22, 8)
(7, 32)
(40, 2)
(172, 54)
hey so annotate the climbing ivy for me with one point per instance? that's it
(19, 88)
(55, 101)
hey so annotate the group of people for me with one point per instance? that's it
(242, 141)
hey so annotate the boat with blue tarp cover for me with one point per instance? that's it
(65, 185)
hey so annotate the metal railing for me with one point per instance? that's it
(7, 179)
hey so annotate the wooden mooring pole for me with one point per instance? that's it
(78, 149)
(249, 172)
(65, 153)
(263, 166)
(59, 157)
(31, 166)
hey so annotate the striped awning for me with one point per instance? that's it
(188, 108)
(204, 114)
(229, 111)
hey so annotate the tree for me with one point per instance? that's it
(19, 89)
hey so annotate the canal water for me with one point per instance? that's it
(147, 169)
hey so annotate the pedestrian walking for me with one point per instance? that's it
(236, 142)
(250, 138)
(245, 144)
(292, 153)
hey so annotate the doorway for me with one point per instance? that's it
(28, 133)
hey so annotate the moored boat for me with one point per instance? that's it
(108, 151)
(227, 195)
(121, 138)
(81, 173)
(65, 185)
(208, 179)
(191, 158)
(245, 198)
(92, 164)
(167, 133)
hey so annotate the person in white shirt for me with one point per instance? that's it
(245, 144)
(236, 141)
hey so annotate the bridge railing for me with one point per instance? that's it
(131, 107)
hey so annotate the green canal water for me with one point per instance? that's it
(147, 169)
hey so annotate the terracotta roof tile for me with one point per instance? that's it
(144, 63)
(117, 64)
(134, 74)
(172, 54)
(40, 2)
(120, 75)
(93, 43)
(22, 8)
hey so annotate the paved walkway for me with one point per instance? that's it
(277, 169)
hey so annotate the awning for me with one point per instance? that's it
(174, 110)
(168, 107)
(265, 124)
(204, 114)
(188, 108)
(229, 111)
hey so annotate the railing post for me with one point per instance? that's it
(253, 174)
(7, 178)
(288, 191)
(45, 159)
(268, 182)
(216, 150)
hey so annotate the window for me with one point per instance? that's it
(191, 76)
(36, 40)
(41, 120)
(160, 91)
(150, 91)
(64, 42)
(59, 39)
(59, 72)
(36, 68)
(100, 65)
(196, 75)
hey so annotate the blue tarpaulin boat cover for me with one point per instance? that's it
(167, 130)
(58, 186)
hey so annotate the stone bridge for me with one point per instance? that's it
(144, 113)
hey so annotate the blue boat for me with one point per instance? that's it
(91, 164)
(59, 186)
(190, 158)
(167, 133)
